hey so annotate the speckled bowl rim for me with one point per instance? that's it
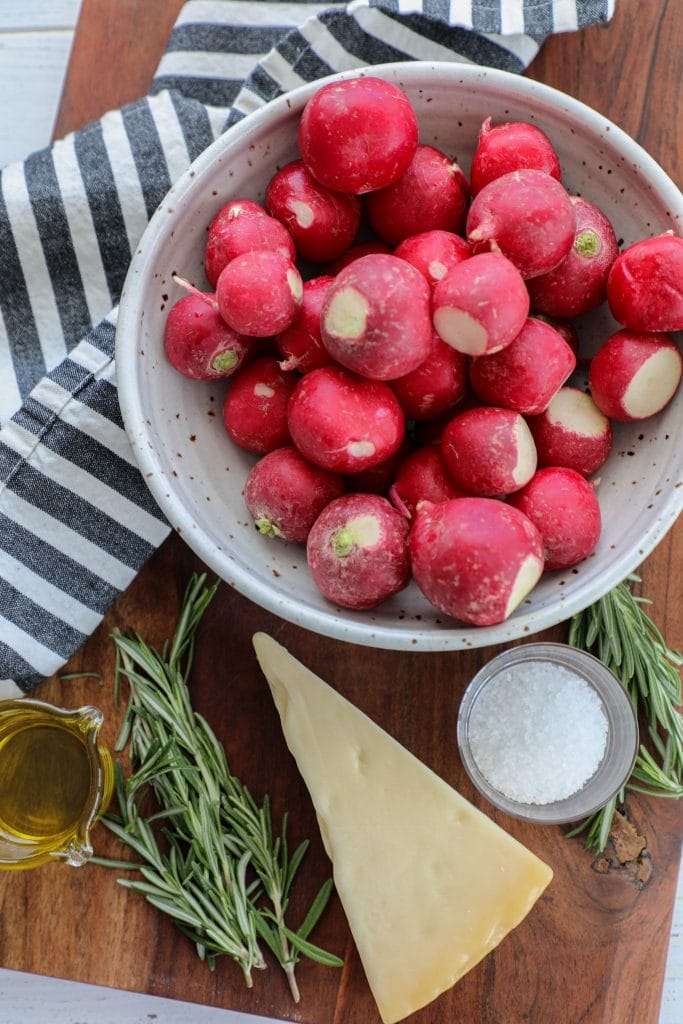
(334, 623)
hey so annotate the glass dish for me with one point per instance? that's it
(621, 747)
(56, 779)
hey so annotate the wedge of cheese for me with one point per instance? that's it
(428, 883)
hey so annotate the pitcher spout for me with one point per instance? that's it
(77, 853)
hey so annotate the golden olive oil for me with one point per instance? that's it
(54, 780)
(44, 780)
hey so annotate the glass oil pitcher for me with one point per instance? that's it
(55, 781)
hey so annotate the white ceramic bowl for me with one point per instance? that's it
(175, 425)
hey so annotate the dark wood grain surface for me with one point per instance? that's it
(593, 951)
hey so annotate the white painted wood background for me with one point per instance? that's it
(35, 42)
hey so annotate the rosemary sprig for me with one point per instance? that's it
(627, 641)
(223, 859)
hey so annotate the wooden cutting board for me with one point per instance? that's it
(593, 950)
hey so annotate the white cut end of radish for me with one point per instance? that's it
(526, 579)
(347, 314)
(236, 210)
(437, 269)
(302, 212)
(360, 449)
(295, 283)
(653, 385)
(461, 331)
(525, 467)
(364, 530)
(263, 390)
(577, 413)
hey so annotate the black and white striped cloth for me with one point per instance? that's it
(76, 520)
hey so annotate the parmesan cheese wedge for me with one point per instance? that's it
(428, 883)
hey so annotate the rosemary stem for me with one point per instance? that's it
(222, 855)
(291, 979)
(629, 643)
(288, 961)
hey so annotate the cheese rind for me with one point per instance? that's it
(428, 883)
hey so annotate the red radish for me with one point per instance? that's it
(526, 374)
(489, 451)
(259, 293)
(423, 476)
(480, 305)
(525, 215)
(511, 147)
(564, 509)
(563, 327)
(343, 422)
(645, 285)
(322, 223)
(431, 431)
(437, 383)
(432, 194)
(572, 432)
(635, 374)
(355, 253)
(358, 135)
(239, 208)
(255, 409)
(433, 253)
(199, 343)
(358, 551)
(301, 344)
(475, 558)
(375, 318)
(239, 227)
(285, 494)
(579, 283)
(378, 479)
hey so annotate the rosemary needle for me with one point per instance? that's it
(223, 875)
(629, 643)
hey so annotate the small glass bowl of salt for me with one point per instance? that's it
(547, 733)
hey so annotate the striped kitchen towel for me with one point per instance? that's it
(76, 520)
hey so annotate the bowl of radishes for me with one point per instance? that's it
(398, 358)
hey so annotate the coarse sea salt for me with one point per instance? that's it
(537, 732)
